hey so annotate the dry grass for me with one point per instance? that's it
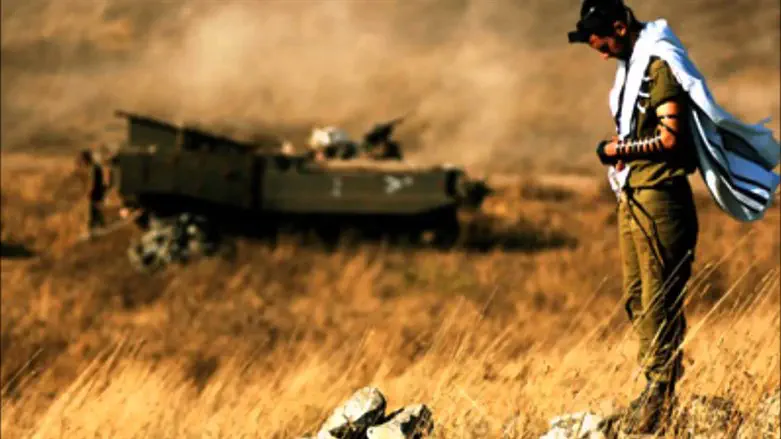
(521, 325)
(524, 324)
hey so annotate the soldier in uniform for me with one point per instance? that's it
(657, 220)
(386, 149)
(331, 143)
(378, 144)
(96, 190)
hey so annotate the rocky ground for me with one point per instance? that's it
(363, 416)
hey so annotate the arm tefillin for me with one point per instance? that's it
(653, 146)
(645, 147)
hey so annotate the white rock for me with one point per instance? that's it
(364, 408)
(582, 425)
(706, 416)
(765, 422)
(411, 422)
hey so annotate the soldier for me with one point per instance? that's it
(331, 143)
(378, 144)
(657, 220)
(387, 149)
(668, 125)
(96, 191)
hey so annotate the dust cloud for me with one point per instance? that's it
(488, 84)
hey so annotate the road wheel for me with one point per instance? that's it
(447, 231)
(328, 234)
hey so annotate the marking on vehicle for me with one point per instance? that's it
(394, 184)
(336, 188)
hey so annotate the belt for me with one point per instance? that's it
(671, 183)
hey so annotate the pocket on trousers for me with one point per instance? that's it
(665, 205)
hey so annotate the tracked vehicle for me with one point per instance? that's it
(164, 170)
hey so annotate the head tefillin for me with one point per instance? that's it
(597, 18)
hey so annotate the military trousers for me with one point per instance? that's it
(658, 230)
(95, 218)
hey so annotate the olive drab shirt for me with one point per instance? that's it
(97, 189)
(660, 86)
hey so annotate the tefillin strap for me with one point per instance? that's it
(640, 147)
(647, 146)
(662, 118)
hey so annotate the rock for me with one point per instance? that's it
(179, 239)
(320, 435)
(764, 422)
(582, 425)
(707, 416)
(701, 417)
(364, 408)
(411, 422)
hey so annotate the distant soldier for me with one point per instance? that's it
(332, 143)
(96, 190)
(384, 150)
(378, 143)
(287, 148)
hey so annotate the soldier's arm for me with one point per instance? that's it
(668, 101)
(669, 128)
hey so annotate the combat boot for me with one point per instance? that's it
(640, 400)
(650, 412)
(611, 425)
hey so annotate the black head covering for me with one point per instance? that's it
(597, 17)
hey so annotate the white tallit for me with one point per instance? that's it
(735, 159)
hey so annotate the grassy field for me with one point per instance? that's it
(521, 323)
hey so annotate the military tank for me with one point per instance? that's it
(164, 170)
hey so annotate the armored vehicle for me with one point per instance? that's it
(164, 170)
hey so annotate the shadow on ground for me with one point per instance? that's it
(11, 250)
(480, 234)
(488, 233)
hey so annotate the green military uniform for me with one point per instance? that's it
(658, 231)
(386, 150)
(96, 194)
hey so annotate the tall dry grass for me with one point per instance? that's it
(522, 324)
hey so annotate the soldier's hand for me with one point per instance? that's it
(606, 150)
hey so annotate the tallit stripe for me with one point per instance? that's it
(740, 166)
(749, 203)
(747, 152)
(751, 182)
(746, 198)
(754, 189)
(751, 195)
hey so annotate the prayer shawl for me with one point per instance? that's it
(735, 159)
